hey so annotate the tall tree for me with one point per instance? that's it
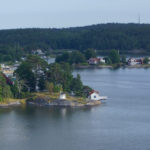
(114, 56)
(90, 53)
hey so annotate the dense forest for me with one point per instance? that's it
(125, 37)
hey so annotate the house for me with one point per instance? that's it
(93, 61)
(62, 96)
(7, 70)
(38, 52)
(102, 60)
(134, 61)
(94, 95)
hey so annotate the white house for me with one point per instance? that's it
(93, 61)
(7, 70)
(94, 95)
(62, 96)
(134, 61)
(102, 60)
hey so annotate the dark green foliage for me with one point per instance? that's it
(74, 57)
(15, 91)
(54, 77)
(9, 52)
(123, 59)
(5, 89)
(146, 60)
(90, 53)
(41, 83)
(108, 60)
(57, 88)
(86, 90)
(24, 72)
(114, 57)
(32, 72)
(63, 58)
(60, 74)
(125, 37)
(77, 86)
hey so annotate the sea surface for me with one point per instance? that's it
(120, 123)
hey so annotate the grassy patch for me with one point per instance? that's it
(55, 96)
(12, 100)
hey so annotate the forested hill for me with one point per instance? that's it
(100, 37)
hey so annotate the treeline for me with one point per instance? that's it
(7, 89)
(35, 74)
(125, 37)
(76, 57)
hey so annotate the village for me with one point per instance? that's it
(129, 61)
(9, 70)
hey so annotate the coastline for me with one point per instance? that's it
(12, 104)
(45, 102)
(109, 66)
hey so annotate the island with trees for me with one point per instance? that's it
(40, 83)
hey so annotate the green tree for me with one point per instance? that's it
(58, 88)
(5, 89)
(114, 56)
(50, 87)
(146, 60)
(32, 72)
(41, 83)
(24, 73)
(108, 60)
(123, 59)
(77, 86)
(77, 57)
(90, 53)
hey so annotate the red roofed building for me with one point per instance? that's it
(94, 95)
(94, 61)
(134, 61)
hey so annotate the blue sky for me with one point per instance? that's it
(69, 13)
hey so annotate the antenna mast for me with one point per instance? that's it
(139, 19)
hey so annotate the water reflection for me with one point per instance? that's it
(122, 122)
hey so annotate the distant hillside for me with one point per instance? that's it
(125, 37)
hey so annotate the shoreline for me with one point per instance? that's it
(109, 66)
(13, 104)
(42, 102)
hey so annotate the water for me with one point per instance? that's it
(120, 123)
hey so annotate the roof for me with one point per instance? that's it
(93, 91)
(94, 59)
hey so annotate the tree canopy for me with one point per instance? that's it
(53, 77)
(125, 37)
(5, 88)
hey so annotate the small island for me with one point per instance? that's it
(35, 82)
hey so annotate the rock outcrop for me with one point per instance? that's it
(45, 101)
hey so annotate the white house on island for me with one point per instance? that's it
(62, 96)
(95, 96)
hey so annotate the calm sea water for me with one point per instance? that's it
(120, 123)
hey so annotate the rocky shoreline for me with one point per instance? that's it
(43, 102)
(60, 103)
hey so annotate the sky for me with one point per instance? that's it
(70, 13)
